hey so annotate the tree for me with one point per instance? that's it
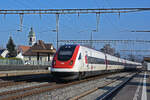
(11, 48)
(137, 58)
(107, 49)
(131, 57)
(117, 54)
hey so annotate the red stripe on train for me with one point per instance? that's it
(86, 61)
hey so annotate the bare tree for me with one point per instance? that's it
(107, 49)
(117, 54)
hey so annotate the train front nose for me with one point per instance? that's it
(64, 61)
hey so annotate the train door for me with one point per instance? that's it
(80, 61)
(81, 64)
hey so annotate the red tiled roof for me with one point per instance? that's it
(40, 45)
(23, 48)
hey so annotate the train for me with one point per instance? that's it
(77, 62)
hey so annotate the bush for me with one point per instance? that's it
(12, 58)
(1, 58)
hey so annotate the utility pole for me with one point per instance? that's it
(57, 29)
(92, 37)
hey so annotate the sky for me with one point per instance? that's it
(73, 26)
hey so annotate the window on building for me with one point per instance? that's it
(30, 39)
(41, 58)
(30, 58)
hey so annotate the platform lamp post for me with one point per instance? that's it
(92, 37)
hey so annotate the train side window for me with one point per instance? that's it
(79, 56)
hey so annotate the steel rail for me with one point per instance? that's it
(25, 89)
(11, 83)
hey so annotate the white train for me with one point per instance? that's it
(76, 62)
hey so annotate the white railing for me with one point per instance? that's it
(22, 62)
(37, 62)
(11, 62)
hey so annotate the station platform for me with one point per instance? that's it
(22, 72)
(137, 88)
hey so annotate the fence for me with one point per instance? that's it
(37, 62)
(11, 62)
(21, 62)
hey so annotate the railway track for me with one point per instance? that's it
(38, 89)
(108, 93)
(12, 95)
(10, 83)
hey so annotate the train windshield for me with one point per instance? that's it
(65, 52)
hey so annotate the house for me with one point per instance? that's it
(21, 50)
(4, 53)
(40, 51)
(36, 51)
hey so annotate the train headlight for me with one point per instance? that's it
(71, 62)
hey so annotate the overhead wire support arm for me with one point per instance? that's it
(134, 50)
(140, 31)
(73, 11)
(104, 41)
